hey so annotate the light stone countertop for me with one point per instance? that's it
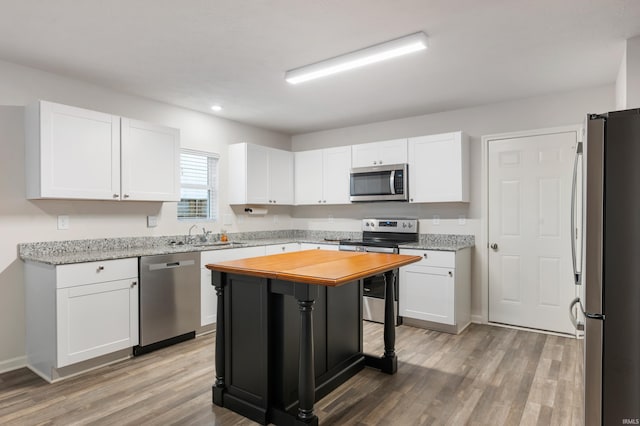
(79, 251)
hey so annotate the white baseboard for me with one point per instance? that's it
(13, 364)
(477, 319)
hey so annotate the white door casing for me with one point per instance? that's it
(529, 194)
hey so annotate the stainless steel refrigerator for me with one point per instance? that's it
(611, 277)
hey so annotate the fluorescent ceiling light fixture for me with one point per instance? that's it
(216, 108)
(368, 55)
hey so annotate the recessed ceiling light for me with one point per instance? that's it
(216, 108)
(368, 55)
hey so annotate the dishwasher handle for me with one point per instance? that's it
(171, 265)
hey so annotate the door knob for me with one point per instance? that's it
(494, 246)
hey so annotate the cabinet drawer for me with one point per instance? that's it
(445, 259)
(95, 272)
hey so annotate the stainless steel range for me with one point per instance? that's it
(381, 236)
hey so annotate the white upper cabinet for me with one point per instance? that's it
(322, 176)
(280, 177)
(439, 168)
(72, 153)
(260, 175)
(379, 153)
(75, 153)
(150, 162)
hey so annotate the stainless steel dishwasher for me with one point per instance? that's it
(169, 300)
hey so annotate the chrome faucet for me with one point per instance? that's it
(189, 239)
(205, 235)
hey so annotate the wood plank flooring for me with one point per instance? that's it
(484, 376)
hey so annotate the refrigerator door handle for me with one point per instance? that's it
(574, 183)
(574, 320)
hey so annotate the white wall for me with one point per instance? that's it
(621, 83)
(534, 113)
(22, 220)
(633, 73)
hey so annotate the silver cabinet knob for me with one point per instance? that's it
(494, 246)
(100, 268)
(424, 255)
(375, 162)
(116, 195)
(324, 201)
(133, 284)
(126, 195)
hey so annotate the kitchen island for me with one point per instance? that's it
(274, 356)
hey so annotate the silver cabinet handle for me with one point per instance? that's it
(494, 246)
(133, 284)
(126, 195)
(116, 195)
(450, 274)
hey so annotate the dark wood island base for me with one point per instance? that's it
(285, 340)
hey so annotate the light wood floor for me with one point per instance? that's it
(485, 376)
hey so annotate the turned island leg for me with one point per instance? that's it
(305, 294)
(219, 386)
(389, 359)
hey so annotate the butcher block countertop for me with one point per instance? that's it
(320, 267)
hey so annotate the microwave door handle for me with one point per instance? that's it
(392, 179)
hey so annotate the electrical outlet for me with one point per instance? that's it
(227, 219)
(436, 220)
(63, 222)
(276, 219)
(462, 220)
(152, 221)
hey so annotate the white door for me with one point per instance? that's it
(530, 275)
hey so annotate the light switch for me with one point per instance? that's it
(63, 222)
(436, 220)
(227, 219)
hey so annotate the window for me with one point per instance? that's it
(198, 186)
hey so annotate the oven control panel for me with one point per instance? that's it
(390, 225)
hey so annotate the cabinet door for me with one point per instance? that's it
(79, 154)
(281, 248)
(96, 319)
(150, 162)
(377, 153)
(280, 177)
(364, 155)
(308, 177)
(393, 151)
(309, 246)
(427, 293)
(438, 168)
(336, 168)
(208, 297)
(257, 174)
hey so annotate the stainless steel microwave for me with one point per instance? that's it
(379, 183)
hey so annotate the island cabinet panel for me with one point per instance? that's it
(262, 328)
(247, 327)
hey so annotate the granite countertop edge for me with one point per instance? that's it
(59, 256)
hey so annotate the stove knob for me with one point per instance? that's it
(410, 226)
(366, 224)
(404, 225)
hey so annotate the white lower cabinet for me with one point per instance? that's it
(208, 297)
(309, 246)
(435, 292)
(78, 312)
(281, 248)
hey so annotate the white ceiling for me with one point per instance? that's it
(194, 53)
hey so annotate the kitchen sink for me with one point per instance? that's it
(219, 244)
